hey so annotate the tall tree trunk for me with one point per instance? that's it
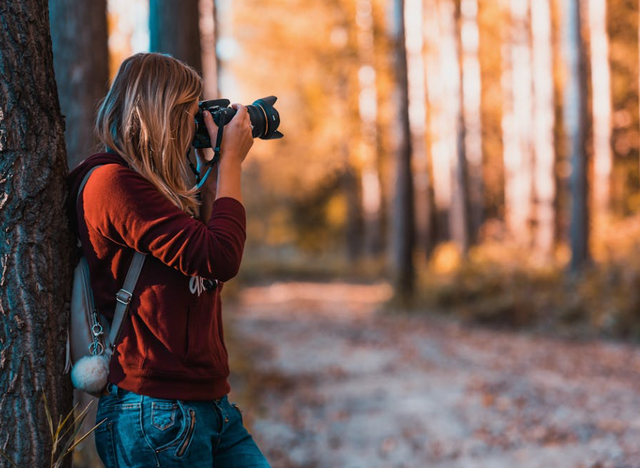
(354, 225)
(543, 130)
(575, 121)
(472, 92)
(173, 29)
(386, 105)
(403, 225)
(439, 44)
(601, 95)
(81, 60)
(368, 112)
(36, 244)
(517, 124)
(209, 41)
(418, 121)
(459, 217)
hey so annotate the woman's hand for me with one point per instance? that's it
(237, 140)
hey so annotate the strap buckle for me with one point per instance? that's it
(123, 297)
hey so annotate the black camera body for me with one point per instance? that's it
(265, 119)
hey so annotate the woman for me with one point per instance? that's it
(166, 403)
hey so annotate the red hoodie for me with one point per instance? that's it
(172, 346)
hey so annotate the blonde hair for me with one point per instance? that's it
(145, 118)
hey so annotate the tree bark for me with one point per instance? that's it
(81, 61)
(173, 29)
(403, 225)
(602, 108)
(418, 112)
(575, 121)
(472, 92)
(209, 41)
(459, 217)
(517, 124)
(440, 48)
(36, 247)
(368, 113)
(544, 123)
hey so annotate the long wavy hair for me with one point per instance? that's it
(145, 117)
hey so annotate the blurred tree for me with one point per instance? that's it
(491, 43)
(440, 72)
(544, 176)
(368, 112)
(471, 109)
(36, 244)
(81, 61)
(517, 124)
(460, 208)
(418, 119)
(575, 121)
(386, 110)
(174, 29)
(355, 150)
(403, 224)
(209, 30)
(601, 107)
(622, 29)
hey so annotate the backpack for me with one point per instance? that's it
(90, 338)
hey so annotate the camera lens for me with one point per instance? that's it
(265, 119)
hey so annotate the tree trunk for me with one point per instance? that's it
(472, 92)
(575, 121)
(81, 60)
(173, 29)
(439, 65)
(517, 124)
(418, 121)
(209, 41)
(601, 95)
(368, 112)
(459, 217)
(403, 225)
(36, 248)
(354, 225)
(544, 123)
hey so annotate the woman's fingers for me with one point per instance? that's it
(241, 112)
(212, 128)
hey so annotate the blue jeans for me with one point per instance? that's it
(143, 432)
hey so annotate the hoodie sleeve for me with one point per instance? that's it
(123, 206)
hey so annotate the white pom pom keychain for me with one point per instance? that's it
(90, 373)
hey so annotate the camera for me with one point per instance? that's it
(264, 119)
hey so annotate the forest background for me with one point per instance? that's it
(480, 156)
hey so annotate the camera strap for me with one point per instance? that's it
(216, 157)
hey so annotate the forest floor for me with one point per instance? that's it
(327, 379)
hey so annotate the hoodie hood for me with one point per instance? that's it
(77, 176)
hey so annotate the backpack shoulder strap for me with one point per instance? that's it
(84, 182)
(123, 297)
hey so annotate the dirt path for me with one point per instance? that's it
(338, 385)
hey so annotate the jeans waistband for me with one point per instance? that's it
(114, 390)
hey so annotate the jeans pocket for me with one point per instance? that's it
(163, 423)
(105, 444)
(163, 414)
